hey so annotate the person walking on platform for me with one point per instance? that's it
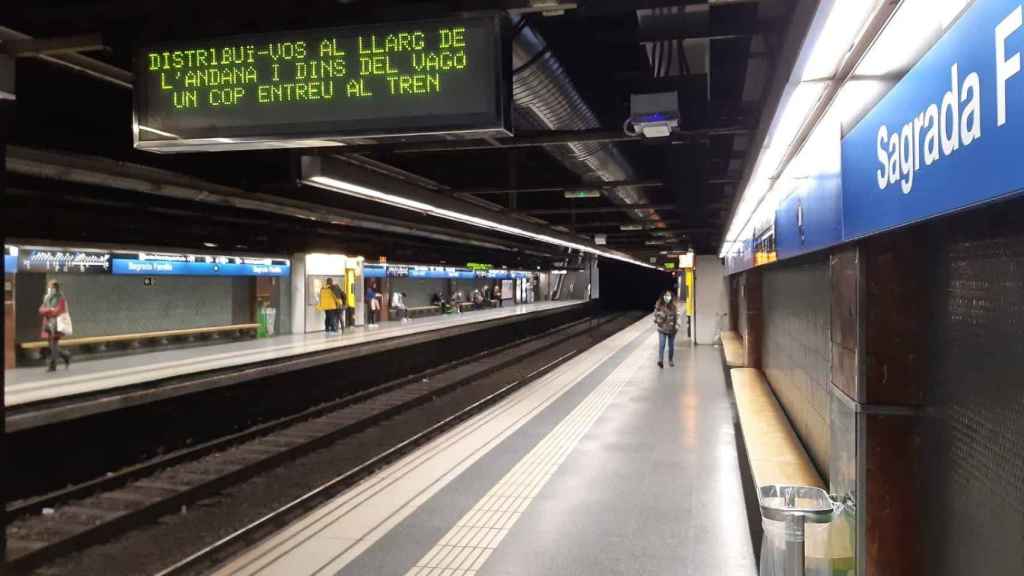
(56, 324)
(330, 305)
(666, 318)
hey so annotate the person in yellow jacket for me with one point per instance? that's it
(330, 305)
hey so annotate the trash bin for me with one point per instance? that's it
(795, 520)
(271, 318)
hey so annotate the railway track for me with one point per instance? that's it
(56, 524)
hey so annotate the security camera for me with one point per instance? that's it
(653, 115)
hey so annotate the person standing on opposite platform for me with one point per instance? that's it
(330, 305)
(373, 304)
(56, 324)
(666, 318)
(339, 296)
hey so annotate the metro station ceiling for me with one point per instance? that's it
(717, 56)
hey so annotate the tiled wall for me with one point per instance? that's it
(103, 305)
(419, 291)
(796, 349)
(972, 454)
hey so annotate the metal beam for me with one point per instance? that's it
(600, 210)
(610, 224)
(654, 234)
(84, 64)
(566, 188)
(53, 46)
(104, 172)
(544, 138)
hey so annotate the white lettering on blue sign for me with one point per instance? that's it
(948, 135)
(1006, 68)
(954, 122)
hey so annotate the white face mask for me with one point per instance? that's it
(666, 298)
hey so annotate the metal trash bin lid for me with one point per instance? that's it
(779, 502)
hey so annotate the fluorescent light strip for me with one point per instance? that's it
(843, 29)
(913, 28)
(365, 193)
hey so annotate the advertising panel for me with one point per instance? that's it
(63, 261)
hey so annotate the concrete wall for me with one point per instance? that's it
(574, 285)
(796, 351)
(103, 305)
(711, 306)
(419, 291)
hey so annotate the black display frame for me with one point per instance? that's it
(496, 122)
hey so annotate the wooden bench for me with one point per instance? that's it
(464, 305)
(420, 311)
(36, 345)
(774, 452)
(732, 347)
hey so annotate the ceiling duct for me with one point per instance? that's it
(545, 99)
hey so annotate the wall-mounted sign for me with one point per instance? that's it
(949, 135)
(183, 268)
(686, 260)
(600, 239)
(439, 272)
(478, 266)
(318, 87)
(10, 264)
(57, 260)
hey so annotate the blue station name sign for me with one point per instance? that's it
(949, 135)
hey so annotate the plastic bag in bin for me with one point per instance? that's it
(796, 521)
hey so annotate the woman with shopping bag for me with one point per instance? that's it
(56, 324)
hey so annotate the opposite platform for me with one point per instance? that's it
(608, 465)
(33, 386)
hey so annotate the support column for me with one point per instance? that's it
(734, 310)
(6, 127)
(298, 294)
(879, 376)
(753, 323)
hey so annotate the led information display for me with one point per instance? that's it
(313, 87)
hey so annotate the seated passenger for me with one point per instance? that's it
(478, 299)
(439, 301)
(398, 303)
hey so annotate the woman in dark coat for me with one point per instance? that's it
(666, 318)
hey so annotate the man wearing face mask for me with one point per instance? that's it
(56, 324)
(666, 318)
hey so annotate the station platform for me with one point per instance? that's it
(33, 385)
(606, 465)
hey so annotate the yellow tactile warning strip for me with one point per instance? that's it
(465, 548)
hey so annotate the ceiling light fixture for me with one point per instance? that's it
(366, 193)
(910, 31)
(842, 28)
